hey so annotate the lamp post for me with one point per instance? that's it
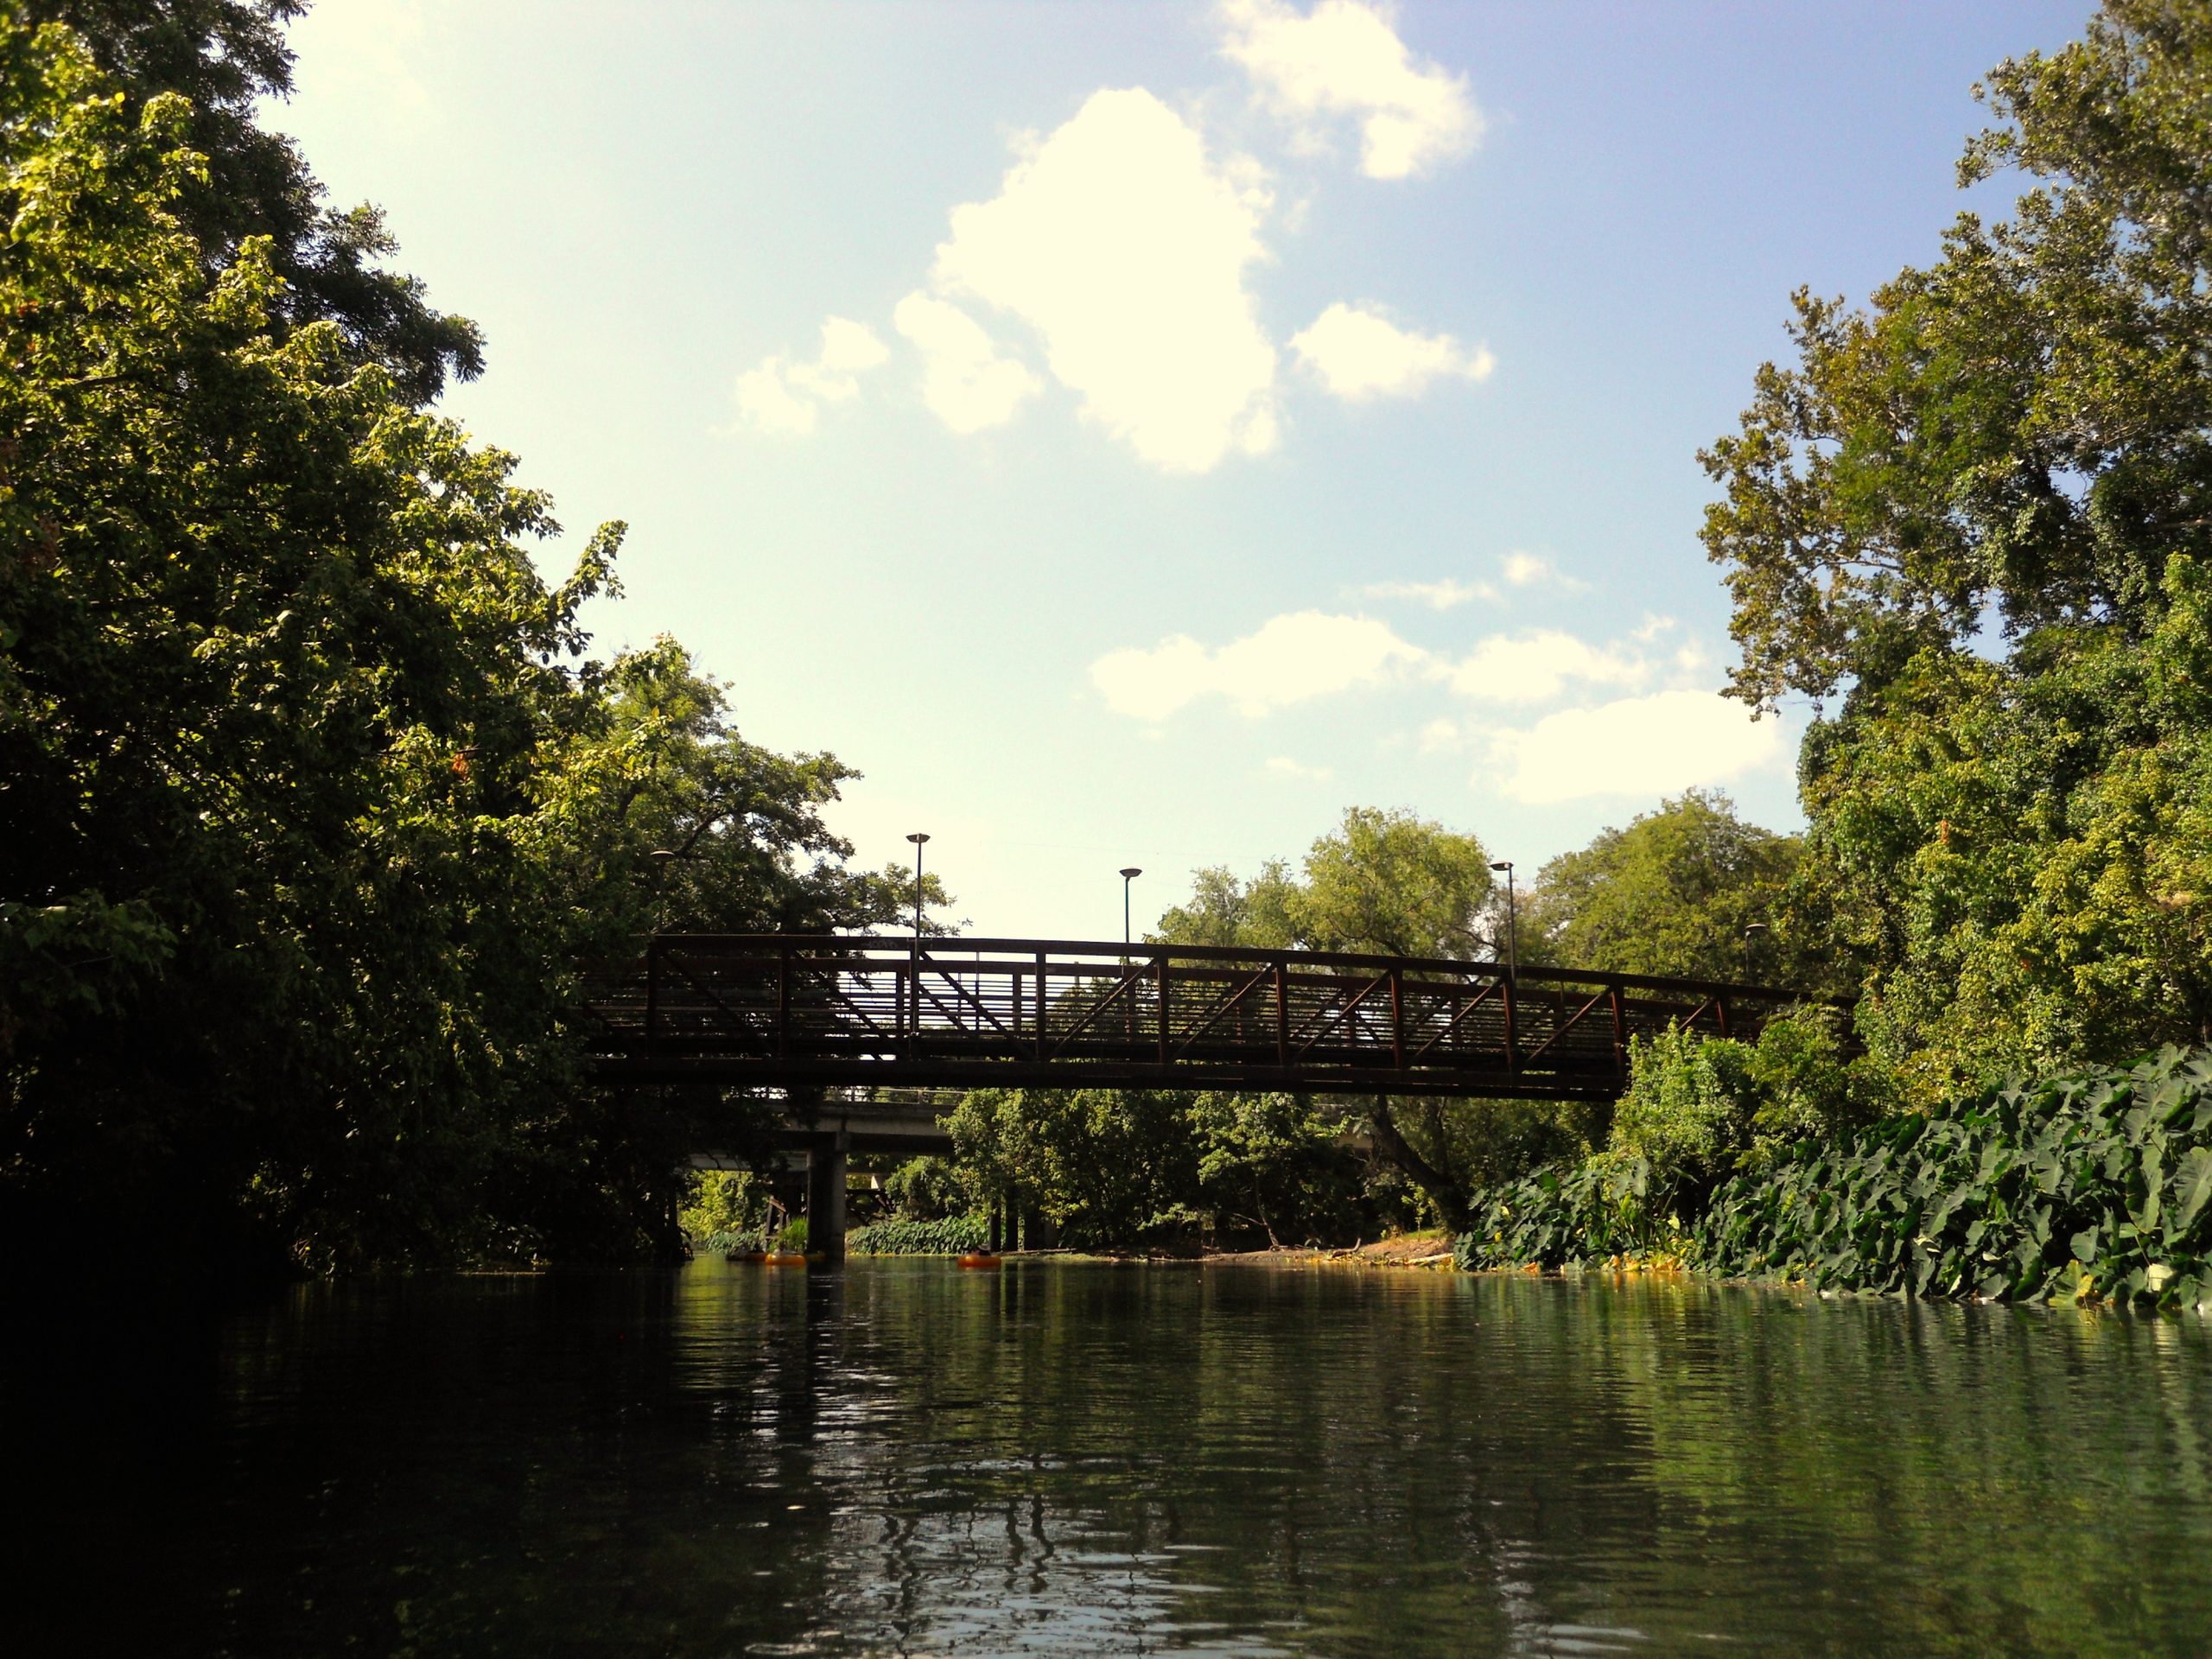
(1753, 931)
(1512, 922)
(1127, 876)
(917, 839)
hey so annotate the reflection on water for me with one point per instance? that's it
(1076, 1458)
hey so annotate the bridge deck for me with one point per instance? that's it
(785, 1010)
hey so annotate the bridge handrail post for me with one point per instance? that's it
(783, 1001)
(1159, 966)
(1398, 1018)
(1620, 1031)
(1043, 1054)
(1512, 1040)
(652, 991)
(1282, 1011)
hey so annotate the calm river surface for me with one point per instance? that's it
(1070, 1457)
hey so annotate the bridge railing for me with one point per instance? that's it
(791, 1009)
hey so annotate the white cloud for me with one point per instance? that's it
(1346, 58)
(1125, 247)
(1527, 569)
(1657, 745)
(1654, 625)
(1283, 766)
(965, 381)
(1438, 736)
(781, 396)
(1531, 667)
(1360, 356)
(1440, 595)
(1305, 654)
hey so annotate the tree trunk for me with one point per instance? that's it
(1451, 1201)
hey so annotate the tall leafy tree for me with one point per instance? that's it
(1383, 881)
(1689, 890)
(1972, 518)
(225, 57)
(310, 812)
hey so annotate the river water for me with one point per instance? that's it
(1086, 1458)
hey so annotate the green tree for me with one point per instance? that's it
(1689, 890)
(1383, 881)
(225, 58)
(1974, 512)
(309, 812)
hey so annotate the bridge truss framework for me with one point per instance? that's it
(798, 1012)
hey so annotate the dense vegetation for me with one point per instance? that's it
(312, 808)
(1972, 518)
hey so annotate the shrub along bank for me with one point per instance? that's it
(2096, 1185)
(953, 1236)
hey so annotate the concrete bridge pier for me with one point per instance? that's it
(825, 1200)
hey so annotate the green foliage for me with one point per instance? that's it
(1689, 890)
(791, 1236)
(312, 815)
(1384, 881)
(2012, 853)
(728, 1241)
(1273, 1163)
(1106, 1166)
(942, 1236)
(1688, 1113)
(926, 1189)
(227, 57)
(1600, 1210)
(2091, 1186)
(723, 1202)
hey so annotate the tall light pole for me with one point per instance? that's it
(1127, 876)
(1512, 923)
(917, 839)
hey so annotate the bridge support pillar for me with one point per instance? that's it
(825, 1200)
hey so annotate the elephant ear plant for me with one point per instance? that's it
(2094, 1187)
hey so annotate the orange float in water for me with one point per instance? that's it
(977, 1259)
(786, 1259)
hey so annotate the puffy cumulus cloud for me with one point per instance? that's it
(1284, 766)
(1125, 246)
(1346, 58)
(1291, 658)
(1360, 356)
(1537, 666)
(965, 381)
(1651, 746)
(781, 396)
(1439, 595)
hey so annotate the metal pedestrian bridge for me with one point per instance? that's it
(801, 1012)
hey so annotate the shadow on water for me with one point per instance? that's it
(1080, 1457)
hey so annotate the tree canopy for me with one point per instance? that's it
(1689, 890)
(312, 809)
(1975, 511)
(1386, 881)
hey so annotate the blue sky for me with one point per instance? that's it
(1131, 434)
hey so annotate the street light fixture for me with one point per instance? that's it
(917, 839)
(1127, 876)
(1512, 923)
